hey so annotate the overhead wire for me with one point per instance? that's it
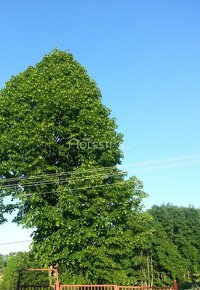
(76, 171)
(88, 177)
(163, 160)
(64, 177)
(164, 166)
(15, 242)
(59, 181)
(152, 164)
(158, 165)
(73, 189)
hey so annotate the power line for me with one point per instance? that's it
(61, 181)
(190, 159)
(71, 189)
(16, 242)
(77, 171)
(165, 166)
(61, 178)
(89, 177)
(163, 160)
(64, 181)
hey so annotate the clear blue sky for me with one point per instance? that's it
(145, 57)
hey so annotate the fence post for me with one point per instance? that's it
(57, 285)
(175, 285)
(57, 280)
(116, 287)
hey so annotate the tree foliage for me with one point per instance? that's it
(59, 151)
(14, 273)
(174, 248)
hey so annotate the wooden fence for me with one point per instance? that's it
(115, 287)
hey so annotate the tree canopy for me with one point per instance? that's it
(173, 250)
(59, 151)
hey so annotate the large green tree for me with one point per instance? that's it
(59, 151)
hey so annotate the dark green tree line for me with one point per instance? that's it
(173, 250)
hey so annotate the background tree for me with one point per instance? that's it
(2, 207)
(2, 264)
(59, 151)
(175, 243)
(16, 263)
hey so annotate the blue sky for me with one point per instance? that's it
(145, 57)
